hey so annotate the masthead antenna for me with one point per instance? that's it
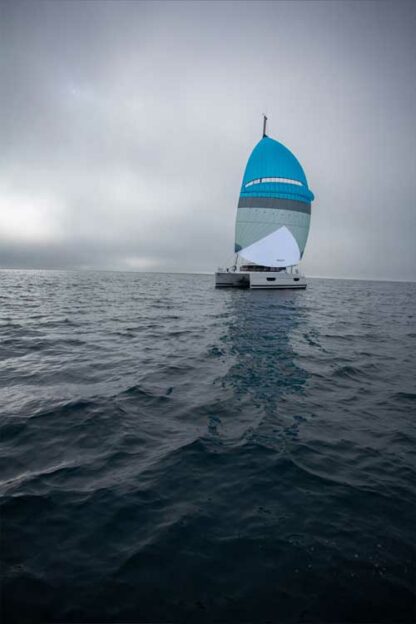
(264, 125)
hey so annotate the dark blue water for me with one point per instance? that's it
(175, 453)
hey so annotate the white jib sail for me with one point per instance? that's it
(278, 249)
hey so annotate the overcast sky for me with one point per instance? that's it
(126, 126)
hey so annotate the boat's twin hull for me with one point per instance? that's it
(259, 279)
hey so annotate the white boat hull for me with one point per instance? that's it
(259, 280)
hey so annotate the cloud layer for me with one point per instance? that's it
(126, 128)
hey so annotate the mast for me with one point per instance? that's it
(264, 125)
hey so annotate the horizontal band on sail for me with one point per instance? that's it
(274, 202)
(267, 180)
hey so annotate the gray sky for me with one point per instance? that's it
(125, 129)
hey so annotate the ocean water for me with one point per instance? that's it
(175, 453)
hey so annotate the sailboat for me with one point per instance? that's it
(273, 218)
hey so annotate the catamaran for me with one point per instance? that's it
(273, 218)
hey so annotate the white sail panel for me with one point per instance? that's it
(278, 249)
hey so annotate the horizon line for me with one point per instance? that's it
(100, 270)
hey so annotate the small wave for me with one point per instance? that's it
(138, 391)
(404, 396)
(348, 372)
